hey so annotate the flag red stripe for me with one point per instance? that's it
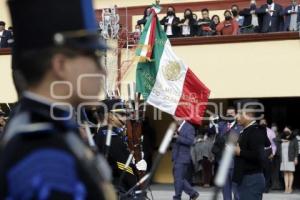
(152, 35)
(193, 101)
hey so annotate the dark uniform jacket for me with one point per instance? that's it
(117, 157)
(36, 161)
(252, 141)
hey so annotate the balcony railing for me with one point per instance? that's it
(260, 37)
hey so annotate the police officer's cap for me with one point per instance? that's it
(113, 105)
(40, 24)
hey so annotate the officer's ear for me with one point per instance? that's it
(59, 67)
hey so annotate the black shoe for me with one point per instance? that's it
(195, 196)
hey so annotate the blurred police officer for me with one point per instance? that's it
(118, 153)
(2, 122)
(226, 127)
(43, 156)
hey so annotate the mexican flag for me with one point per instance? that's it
(163, 79)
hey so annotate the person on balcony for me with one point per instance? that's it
(272, 17)
(188, 24)
(5, 36)
(206, 25)
(229, 26)
(216, 20)
(289, 157)
(235, 10)
(170, 23)
(251, 19)
(292, 14)
(146, 16)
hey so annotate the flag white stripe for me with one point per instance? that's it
(166, 94)
(146, 43)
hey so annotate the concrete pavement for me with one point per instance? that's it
(165, 192)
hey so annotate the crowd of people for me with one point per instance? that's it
(273, 171)
(270, 17)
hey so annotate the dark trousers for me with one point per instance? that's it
(276, 174)
(181, 184)
(230, 187)
(207, 171)
(297, 175)
(252, 187)
(267, 173)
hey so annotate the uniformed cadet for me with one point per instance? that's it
(118, 152)
(43, 156)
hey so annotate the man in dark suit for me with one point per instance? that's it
(248, 171)
(226, 127)
(5, 36)
(182, 160)
(292, 19)
(170, 23)
(272, 17)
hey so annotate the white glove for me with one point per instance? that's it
(142, 154)
(141, 165)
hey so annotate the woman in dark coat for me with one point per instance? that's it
(188, 24)
(289, 157)
(146, 16)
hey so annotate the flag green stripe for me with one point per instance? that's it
(146, 71)
(143, 36)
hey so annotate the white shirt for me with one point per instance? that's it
(254, 20)
(186, 29)
(1, 33)
(169, 26)
(271, 7)
(294, 17)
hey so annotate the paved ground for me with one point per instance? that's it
(165, 192)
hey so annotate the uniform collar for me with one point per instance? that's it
(250, 124)
(48, 111)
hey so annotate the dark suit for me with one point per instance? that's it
(248, 170)
(175, 27)
(5, 38)
(276, 19)
(117, 157)
(288, 17)
(182, 160)
(218, 149)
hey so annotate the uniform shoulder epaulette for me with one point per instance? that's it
(21, 125)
